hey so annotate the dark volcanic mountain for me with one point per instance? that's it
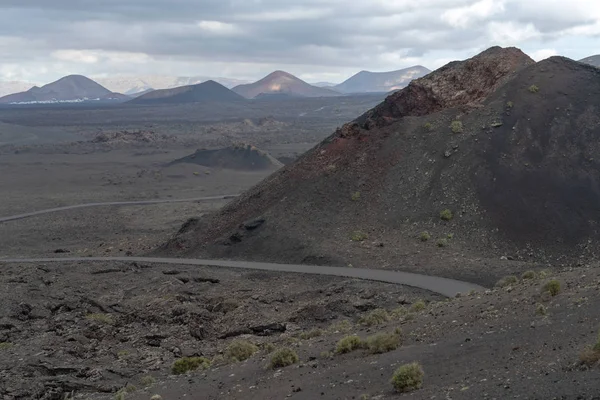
(69, 88)
(209, 91)
(240, 156)
(365, 81)
(493, 156)
(282, 83)
(592, 60)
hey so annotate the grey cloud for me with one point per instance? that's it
(329, 33)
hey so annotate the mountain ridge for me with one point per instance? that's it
(367, 81)
(282, 83)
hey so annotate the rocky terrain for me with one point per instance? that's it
(474, 162)
(238, 156)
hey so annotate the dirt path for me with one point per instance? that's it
(113, 203)
(443, 286)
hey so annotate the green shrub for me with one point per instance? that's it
(122, 354)
(382, 343)
(424, 236)
(442, 243)
(408, 377)
(418, 306)
(187, 364)
(507, 281)
(399, 312)
(552, 287)
(268, 347)
(456, 126)
(428, 127)
(326, 354)
(313, 333)
(120, 395)
(103, 318)
(240, 350)
(529, 275)
(375, 317)
(358, 236)
(446, 215)
(284, 357)
(355, 196)
(147, 380)
(541, 309)
(450, 236)
(533, 89)
(5, 345)
(130, 388)
(509, 104)
(348, 344)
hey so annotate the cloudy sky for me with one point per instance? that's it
(318, 40)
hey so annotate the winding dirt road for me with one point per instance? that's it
(113, 203)
(443, 286)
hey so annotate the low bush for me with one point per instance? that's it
(283, 358)
(446, 215)
(533, 89)
(552, 287)
(424, 236)
(187, 364)
(313, 333)
(375, 317)
(408, 377)
(418, 306)
(359, 236)
(528, 275)
(456, 126)
(382, 343)
(240, 350)
(348, 344)
(507, 281)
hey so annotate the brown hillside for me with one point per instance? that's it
(282, 83)
(519, 175)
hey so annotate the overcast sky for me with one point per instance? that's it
(317, 40)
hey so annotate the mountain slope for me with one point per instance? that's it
(69, 88)
(506, 145)
(136, 84)
(209, 91)
(282, 83)
(366, 81)
(592, 60)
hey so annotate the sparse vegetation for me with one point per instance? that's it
(591, 354)
(552, 287)
(102, 318)
(442, 243)
(533, 89)
(355, 196)
(130, 388)
(382, 343)
(507, 281)
(147, 380)
(408, 377)
(240, 350)
(156, 397)
(326, 354)
(375, 317)
(450, 236)
(509, 105)
(268, 348)
(428, 127)
(456, 126)
(424, 236)
(541, 310)
(187, 364)
(418, 306)
(446, 215)
(120, 395)
(528, 275)
(399, 312)
(348, 344)
(122, 354)
(341, 326)
(5, 345)
(313, 333)
(358, 236)
(283, 358)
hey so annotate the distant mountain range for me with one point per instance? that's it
(202, 92)
(592, 60)
(132, 85)
(365, 81)
(282, 83)
(72, 88)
